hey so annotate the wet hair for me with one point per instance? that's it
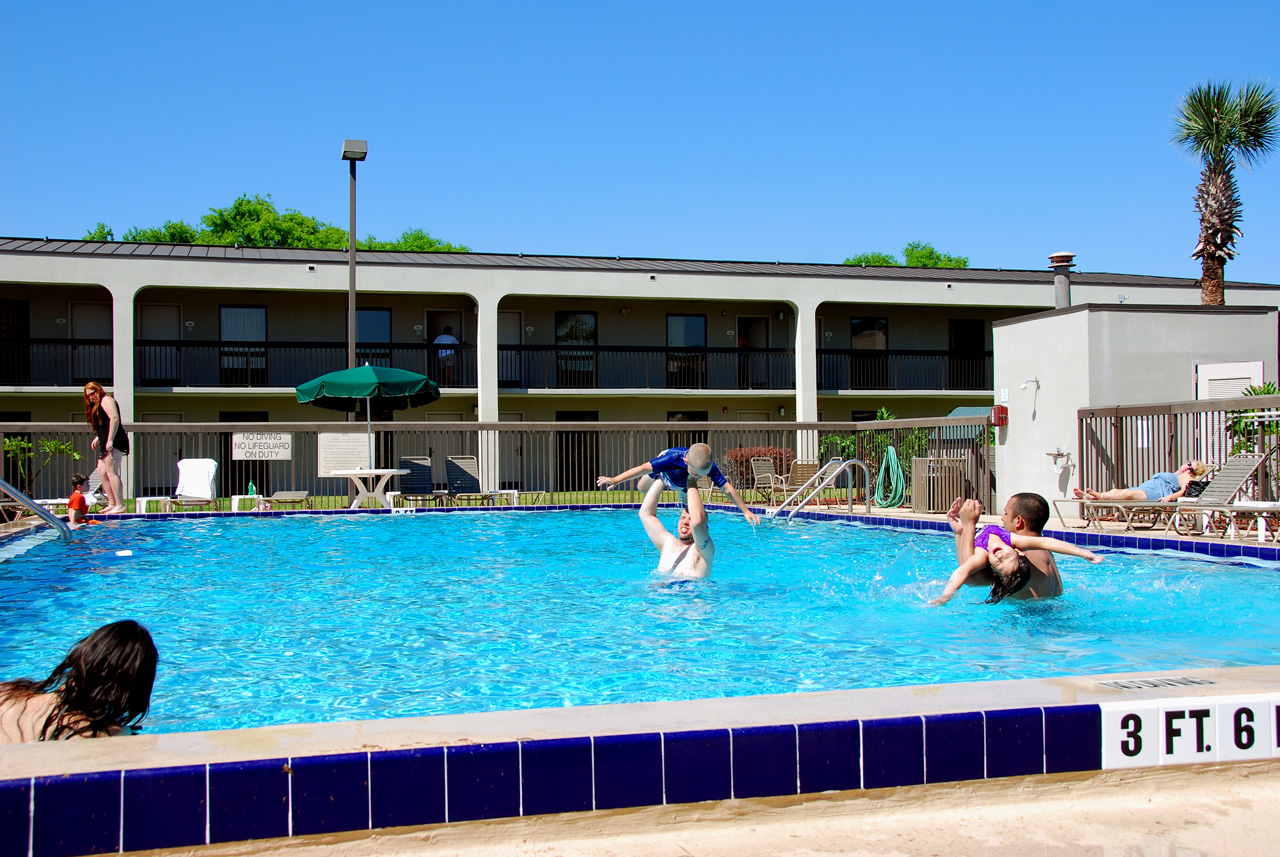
(698, 457)
(103, 683)
(1033, 509)
(93, 410)
(1004, 586)
(78, 479)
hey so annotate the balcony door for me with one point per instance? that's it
(510, 356)
(753, 366)
(90, 361)
(687, 368)
(967, 362)
(869, 357)
(576, 367)
(242, 350)
(373, 337)
(159, 360)
(15, 349)
(577, 452)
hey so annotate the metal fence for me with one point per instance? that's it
(562, 460)
(1123, 447)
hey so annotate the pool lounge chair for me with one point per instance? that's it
(1216, 510)
(1227, 482)
(288, 498)
(464, 481)
(196, 486)
(417, 487)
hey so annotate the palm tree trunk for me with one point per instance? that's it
(1211, 282)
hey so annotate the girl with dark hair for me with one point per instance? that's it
(102, 687)
(996, 548)
(102, 413)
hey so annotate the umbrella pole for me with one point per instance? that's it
(368, 429)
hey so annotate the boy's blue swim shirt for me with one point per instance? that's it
(669, 465)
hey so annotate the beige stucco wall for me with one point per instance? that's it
(1099, 356)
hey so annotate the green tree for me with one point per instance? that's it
(253, 221)
(1221, 126)
(101, 232)
(917, 254)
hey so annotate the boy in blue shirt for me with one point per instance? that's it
(674, 467)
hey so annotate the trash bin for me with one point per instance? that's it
(935, 482)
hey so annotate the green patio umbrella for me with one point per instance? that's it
(396, 389)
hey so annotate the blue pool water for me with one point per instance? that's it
(315, 618)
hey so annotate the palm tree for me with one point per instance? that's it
(1220, 126)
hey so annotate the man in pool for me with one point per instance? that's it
(1024, 514)
(688, 553)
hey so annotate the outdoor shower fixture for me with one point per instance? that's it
(1029, 381)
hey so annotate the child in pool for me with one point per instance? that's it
(996, 547)
(675, 467)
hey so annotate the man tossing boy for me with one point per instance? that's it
(674, 467)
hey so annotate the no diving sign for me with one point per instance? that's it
(261, 446)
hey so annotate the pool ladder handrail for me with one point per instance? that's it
(39, 511)
(826, 475)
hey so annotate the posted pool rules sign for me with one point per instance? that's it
(1154, 732)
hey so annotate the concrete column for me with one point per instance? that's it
(806, 408)
(487, 358)
(122, 384)
(1061, 264)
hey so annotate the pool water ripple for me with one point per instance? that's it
(313, 618)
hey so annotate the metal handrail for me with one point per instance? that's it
(40, 511)
(826, 475)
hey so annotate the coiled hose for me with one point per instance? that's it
(897, 482)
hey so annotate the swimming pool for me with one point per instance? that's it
(317, 618)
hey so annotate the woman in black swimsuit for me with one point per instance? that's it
(110, 440)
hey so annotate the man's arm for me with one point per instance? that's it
(732, 493)
(649, 516)
(610, 481)
(1043, 543)
(698, 521)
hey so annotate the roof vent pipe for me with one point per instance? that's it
(1061, 264)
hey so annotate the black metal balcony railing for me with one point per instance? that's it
(183, 363)
(55, 362)
(846, 369)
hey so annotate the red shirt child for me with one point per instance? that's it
(77, 505)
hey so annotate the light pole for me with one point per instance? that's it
(352, 150)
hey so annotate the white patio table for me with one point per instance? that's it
(363, 480)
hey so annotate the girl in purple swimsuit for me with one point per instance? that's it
(1002, 550)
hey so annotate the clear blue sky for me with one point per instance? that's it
(806, 131)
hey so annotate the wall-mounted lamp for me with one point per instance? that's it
(729, 333)
(724, 312)
(626, 310)
(190, 325)
(417, 328)
(781, 315)
(724, 409)
(1122, 298)
(782, 410)
(529, 329)
(475, 410)
(826, 334)
(60, 321)
(1029, 381)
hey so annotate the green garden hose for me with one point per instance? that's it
(897, 484)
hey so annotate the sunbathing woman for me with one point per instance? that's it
(1002, 551)
(102, 687)
(1163, 487)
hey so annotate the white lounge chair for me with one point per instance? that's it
(196, 486)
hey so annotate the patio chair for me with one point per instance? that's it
(417, 487)
(764, 476)
(287, 498)
(464, 481)
(197, 488)
(710, 492)
(1215, 510)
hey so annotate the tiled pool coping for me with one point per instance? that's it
(188, 789)
(185, 789)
